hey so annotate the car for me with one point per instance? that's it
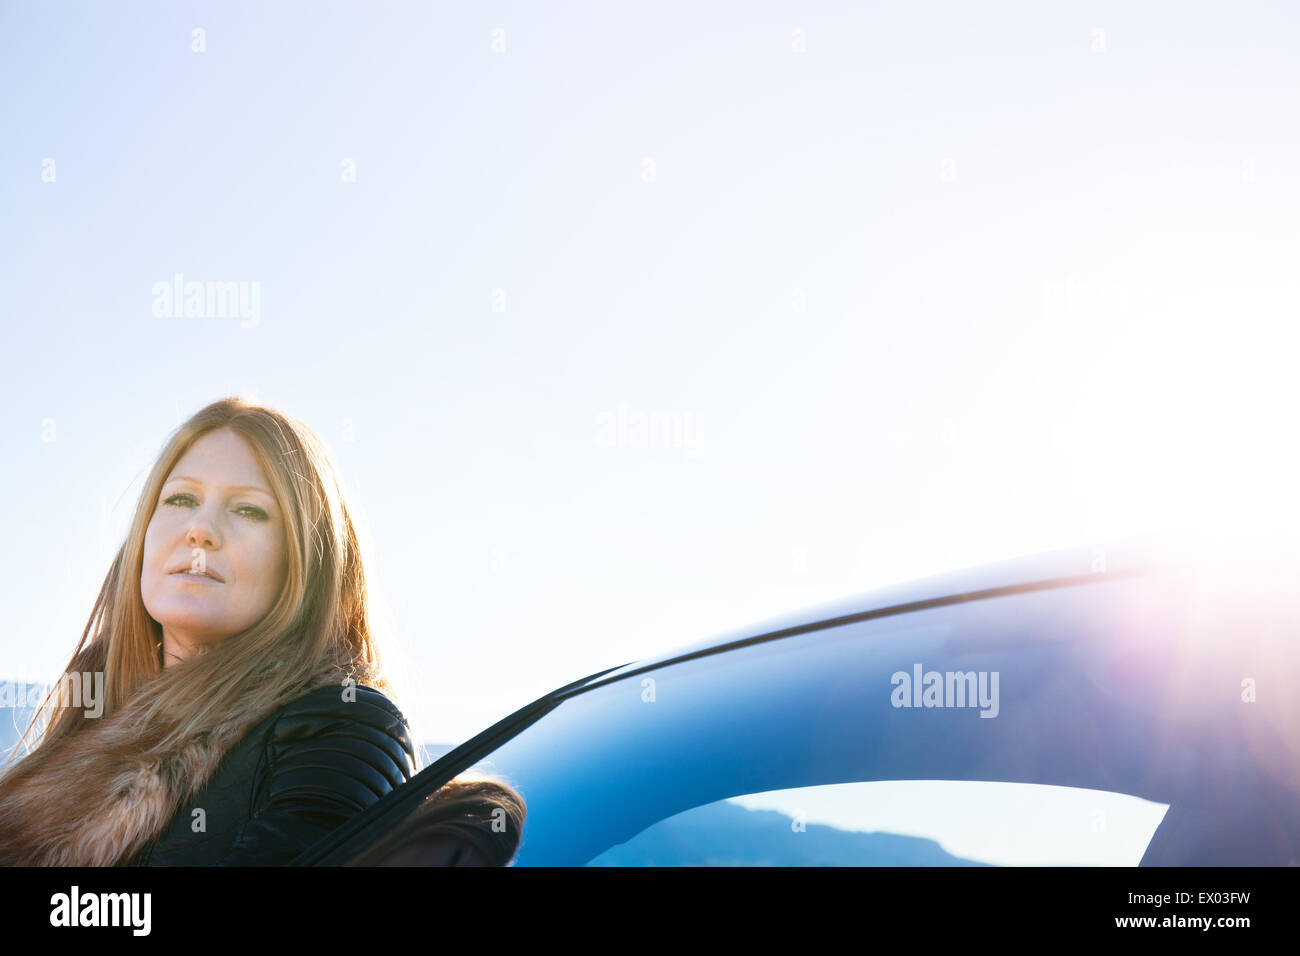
(1133, 702)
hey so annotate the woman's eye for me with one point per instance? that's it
(255, 513)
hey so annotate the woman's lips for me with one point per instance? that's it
(203, 578)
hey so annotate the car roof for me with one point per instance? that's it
(1104, 559)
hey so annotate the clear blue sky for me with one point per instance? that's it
(923, 285)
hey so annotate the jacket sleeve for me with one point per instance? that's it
(328, 759)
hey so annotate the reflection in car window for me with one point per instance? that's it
(902, 823)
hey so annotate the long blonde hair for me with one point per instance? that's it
(318, 631)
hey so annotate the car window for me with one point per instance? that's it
(1138, 687)
(1094, 692)
(902, 823)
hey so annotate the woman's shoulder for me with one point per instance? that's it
(347, 722)
(333, 704)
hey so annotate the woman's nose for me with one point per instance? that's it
(201, 536)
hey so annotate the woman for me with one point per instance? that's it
(243, 713)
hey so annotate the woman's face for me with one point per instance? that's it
(216, 512)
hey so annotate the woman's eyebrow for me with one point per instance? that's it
(231, 487)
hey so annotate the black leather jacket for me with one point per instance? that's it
(297, 775)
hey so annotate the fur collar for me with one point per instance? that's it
(111, 798)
